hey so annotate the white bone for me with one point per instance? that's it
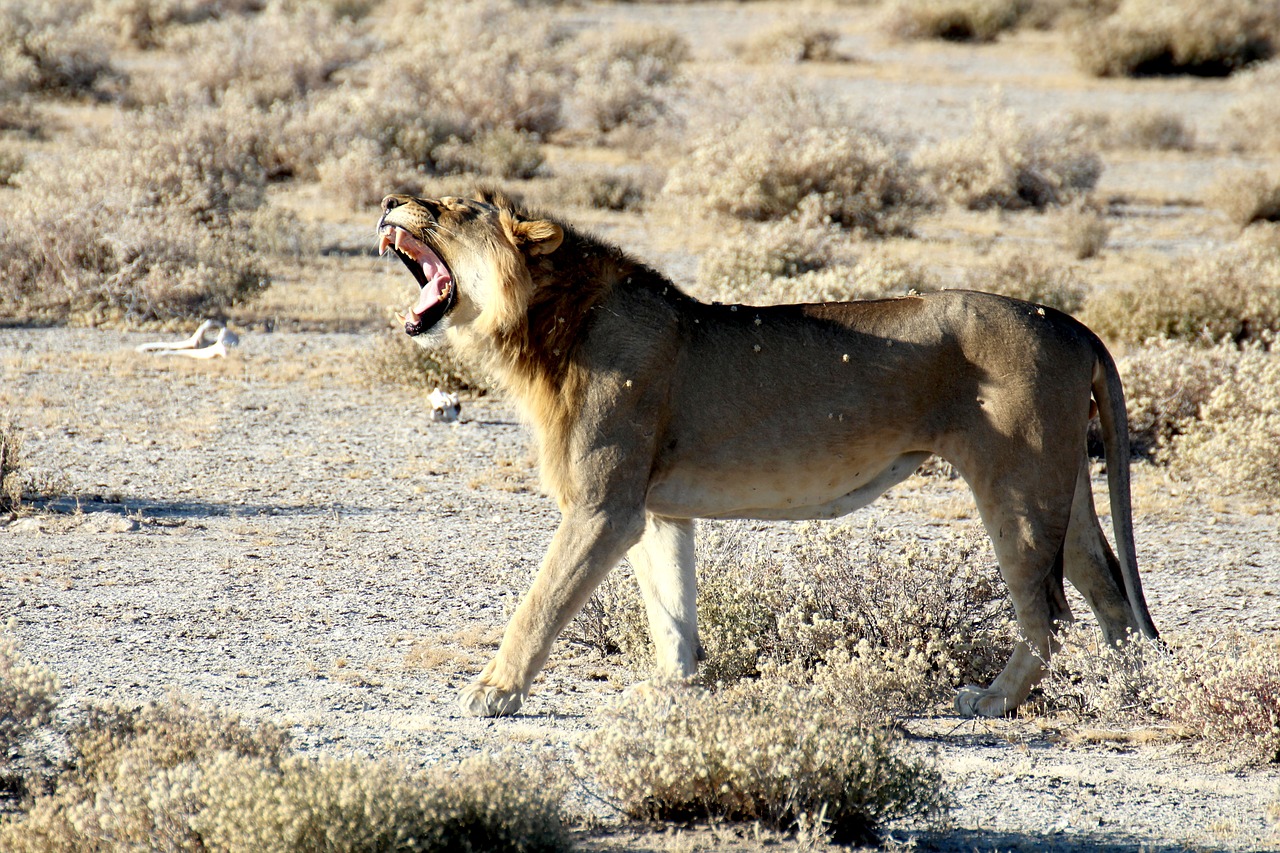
(444, 406)
(190, 343)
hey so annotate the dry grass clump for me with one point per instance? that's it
(52, 48)
(791, 43)
(893, 625)
(953, 20)
(1028, 275)
(1246, 196)
(177, 777)
(1004, 163)
(626, 77)
(1233, 442)
(166, 235)
(763, 169)
(768, 752)
(1233, 295)
(395, 359)
(1201, 37)
(28, 692)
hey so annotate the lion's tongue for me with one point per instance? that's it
(437, 286)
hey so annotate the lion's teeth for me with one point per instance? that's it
(383, 244)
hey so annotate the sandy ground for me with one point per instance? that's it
(274, 536)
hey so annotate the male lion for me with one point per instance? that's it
(651, 409)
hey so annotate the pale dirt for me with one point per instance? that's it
(279, 537)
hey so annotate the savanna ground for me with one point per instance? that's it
(284, 535)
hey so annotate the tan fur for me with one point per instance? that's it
(651, 409)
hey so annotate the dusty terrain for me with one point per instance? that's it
(281, 536)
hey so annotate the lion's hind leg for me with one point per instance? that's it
(664, 564)
(1028, 546)
(1092, 567)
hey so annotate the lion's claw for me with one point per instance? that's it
(478, 699)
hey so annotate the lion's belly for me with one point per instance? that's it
(776, 491)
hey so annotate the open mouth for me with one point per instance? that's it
(437, 294)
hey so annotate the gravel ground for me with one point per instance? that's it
(274, 536)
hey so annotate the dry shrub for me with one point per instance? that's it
(1228, 694)
(1064, 14)
(766, 165)
(1232, 445)
(912, 621)
(517, 72)
(28, 691)
(1097, 682)
(167, 235)
(1148, 128)
(363, 175)
(1028, 275)
(357, 804)
(1006, 164)
(182, 778)
(1201, 37)
(798, 259)
(498, 153)
(1084, 230)
(12, 160)
(791, 43)
(1232, 294)
(626, 77)
(1166, 383)
(607, 190)
(279, 54)
(786, 757)
(145, 23)
(11, 477)
(1223, 690)
(52, 48)
(396, 360)
(1246, 196)
(1252, 122)
(953, 20)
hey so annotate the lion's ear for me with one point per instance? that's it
(538, 236)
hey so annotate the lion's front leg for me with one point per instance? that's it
(586, 546)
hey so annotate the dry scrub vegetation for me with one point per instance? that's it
(181, 777)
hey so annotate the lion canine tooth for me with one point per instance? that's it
(383, 244)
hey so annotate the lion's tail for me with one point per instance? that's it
(1109, 394)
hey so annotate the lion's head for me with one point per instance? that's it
(469, 256)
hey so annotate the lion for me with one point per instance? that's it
(651, 409)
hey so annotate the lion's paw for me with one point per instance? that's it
(478, 699)
(972, 701)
